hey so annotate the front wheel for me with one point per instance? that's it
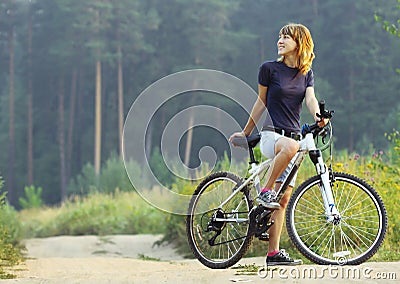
(352, 239)
(219, 235)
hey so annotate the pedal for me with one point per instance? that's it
(264, 237)
(273, 206)
(270, 205)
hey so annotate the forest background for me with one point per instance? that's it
(70, 70)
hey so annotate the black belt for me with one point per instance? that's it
(294, 135)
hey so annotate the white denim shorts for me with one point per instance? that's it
(267, 147)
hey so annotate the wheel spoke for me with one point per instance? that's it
(359, 229)
(322, 241)
(311, 228)
(355, 230)
(356, 204)
(327, 246)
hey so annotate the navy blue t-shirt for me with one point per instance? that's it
(286, 91)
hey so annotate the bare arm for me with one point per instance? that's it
(313, 107)
(257, 111)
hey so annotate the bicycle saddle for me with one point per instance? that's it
(253, 140)
(246, 142)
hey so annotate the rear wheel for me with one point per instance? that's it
(353, 238)
(219, 236)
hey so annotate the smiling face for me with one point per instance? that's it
(296, 47)
(286, 45)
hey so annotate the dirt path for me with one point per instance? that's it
(133, 259)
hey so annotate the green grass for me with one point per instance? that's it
(147, 258)
(96, 214)
(247, 269)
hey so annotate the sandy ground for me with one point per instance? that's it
(134, 259)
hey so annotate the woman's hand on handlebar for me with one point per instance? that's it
(322, 122)
(322, 118)
(236, 138)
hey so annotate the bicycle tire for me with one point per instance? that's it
(213, 190)
(358, 235)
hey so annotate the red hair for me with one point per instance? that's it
(305, 52)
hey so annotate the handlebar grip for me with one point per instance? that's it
(322, 107)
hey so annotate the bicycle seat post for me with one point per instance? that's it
(252, 141)
(252, 158)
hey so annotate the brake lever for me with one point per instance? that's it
(324, 113)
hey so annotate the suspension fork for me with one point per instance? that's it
(331, 211)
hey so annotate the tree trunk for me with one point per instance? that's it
(77, 160)
(97, 131)
(190, 125)
(97, 119)
(61, 138)
(189, 139)
(30, 102)
(149, 141)
(120, 101)
(11, 125)
(71, 122)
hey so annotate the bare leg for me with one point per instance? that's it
(285, 149)
(278, 216)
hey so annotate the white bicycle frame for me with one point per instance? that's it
(307, 145)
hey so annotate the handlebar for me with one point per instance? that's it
(324, 113)
(314, 128)
(321, 108)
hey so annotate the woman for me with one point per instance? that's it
(283, 85)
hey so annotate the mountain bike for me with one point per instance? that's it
(331, 218)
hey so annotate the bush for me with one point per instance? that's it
(33, 197)
(175, 231)
(112, 176)
(160, 169)
(97, 214)
(10, 249)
